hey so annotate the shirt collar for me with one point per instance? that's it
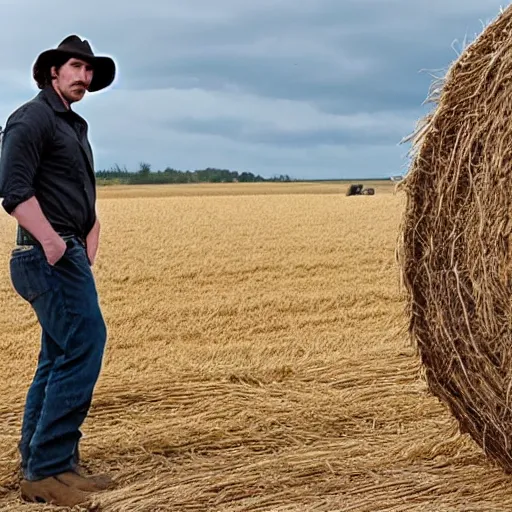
(54, 100)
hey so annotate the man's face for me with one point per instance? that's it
(72, 79)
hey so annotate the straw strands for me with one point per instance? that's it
(455, 250)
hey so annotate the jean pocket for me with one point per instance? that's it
(77, 252)
(30, 273)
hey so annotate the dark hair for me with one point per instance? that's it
(42, 75)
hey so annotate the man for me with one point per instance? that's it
(47, 183)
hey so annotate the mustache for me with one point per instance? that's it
(82, 84)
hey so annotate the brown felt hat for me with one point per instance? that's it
(73, 46)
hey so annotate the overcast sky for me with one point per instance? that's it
(316, 89)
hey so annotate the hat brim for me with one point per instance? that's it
(104, 68)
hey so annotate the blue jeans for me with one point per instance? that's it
(65, 300)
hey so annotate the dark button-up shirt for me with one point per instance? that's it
(45, 153)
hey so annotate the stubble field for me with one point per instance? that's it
(256, 360)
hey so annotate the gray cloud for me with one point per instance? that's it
(322, 87)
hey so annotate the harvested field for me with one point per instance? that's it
(257, 360)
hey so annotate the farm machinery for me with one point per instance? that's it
(359, 190)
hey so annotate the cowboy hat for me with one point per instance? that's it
(73, 46)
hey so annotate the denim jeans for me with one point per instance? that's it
(73, 337)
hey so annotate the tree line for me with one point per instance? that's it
(145, 175)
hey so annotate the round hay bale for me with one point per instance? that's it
(455, 241)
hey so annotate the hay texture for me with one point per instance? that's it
(455, 240)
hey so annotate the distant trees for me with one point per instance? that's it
(281, 177)
(144, 169)
(144, 175)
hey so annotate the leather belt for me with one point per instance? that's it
(23, 237)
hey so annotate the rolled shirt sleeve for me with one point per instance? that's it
(23, 140)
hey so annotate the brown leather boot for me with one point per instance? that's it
(102, 481)
(52, 491)
(93, 483)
